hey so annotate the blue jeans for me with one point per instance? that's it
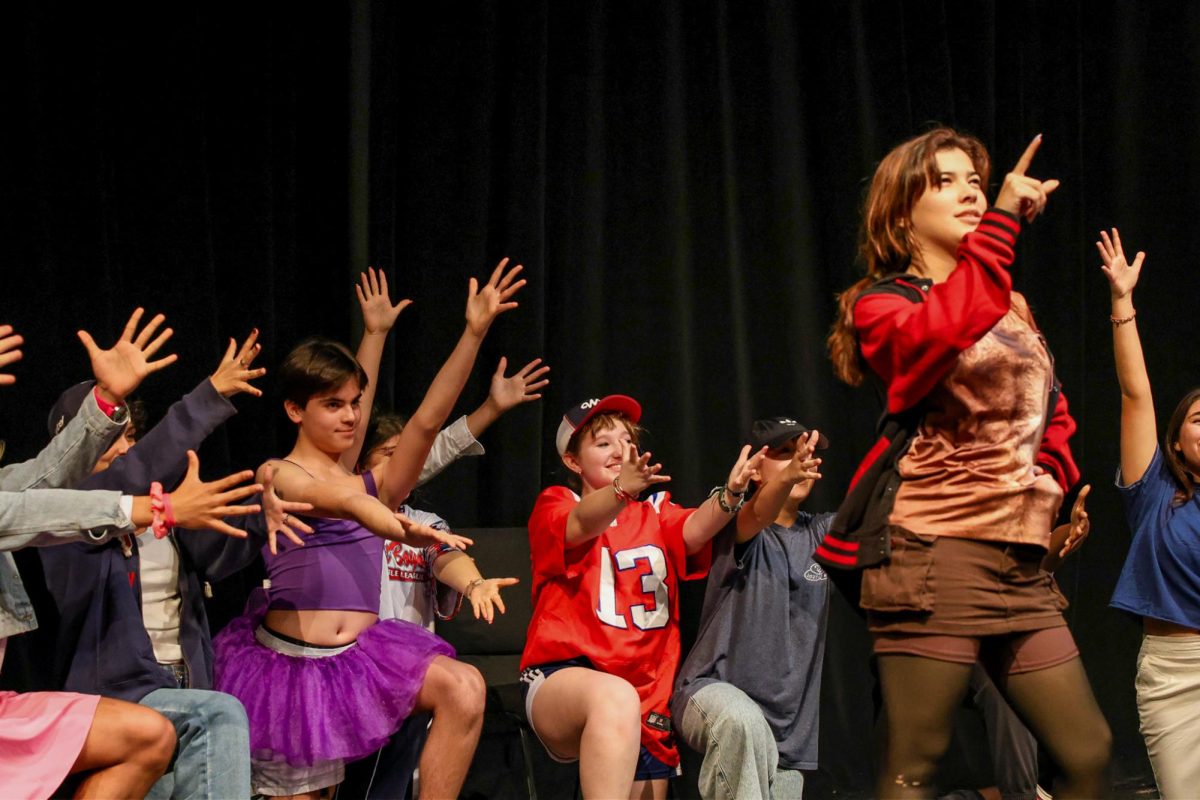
(213, 756)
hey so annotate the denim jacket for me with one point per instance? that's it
(33, 513)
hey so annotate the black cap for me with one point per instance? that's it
(774, 431)
(577, 415)
(67, 406)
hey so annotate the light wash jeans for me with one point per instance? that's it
(741, 759)
(213, 756)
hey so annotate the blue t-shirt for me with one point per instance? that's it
(1161, 576)
(763, 630)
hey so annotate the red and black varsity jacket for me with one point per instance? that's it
(910, 333)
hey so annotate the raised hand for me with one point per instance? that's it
(1122, 276)
(803, 466)
(122, 368)
(745, 468)
(9, 354)
(522, 387)
(637, 473)
(278, 514)
(201, 505)
(1022, 195)
(494, 298)
(379, 315)
(1081, 526)
(233, 374)
(485, 596)
(417, 534)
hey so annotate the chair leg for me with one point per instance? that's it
(527, 755)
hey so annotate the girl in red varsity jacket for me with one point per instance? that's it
(986, 471)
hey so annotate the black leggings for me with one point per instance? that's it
(1056, 704)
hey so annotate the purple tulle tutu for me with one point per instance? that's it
(306, 710)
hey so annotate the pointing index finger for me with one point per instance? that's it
(1027, 157)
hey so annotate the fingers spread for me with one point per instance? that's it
(241, 493)
(155, 366)
(301, 526)
(291, 535)
(132, 324)
(88, 342)
(229, 481)
(221, 527)
(249, 350)
(498, 271)
(153, 347)
(149, 330)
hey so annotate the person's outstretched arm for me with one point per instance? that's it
(1138, 426)
(40, 517)
(461, 437)
(712, 516)
(763, 508)
(379, 317)
(70, 456)
(398, 475)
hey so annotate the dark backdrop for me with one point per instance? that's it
(681, 180)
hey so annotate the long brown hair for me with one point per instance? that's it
(1185, 484)
(886, 241)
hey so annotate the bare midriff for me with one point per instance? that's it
(328, 628)
(1160, 627)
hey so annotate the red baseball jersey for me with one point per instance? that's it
(614, 599)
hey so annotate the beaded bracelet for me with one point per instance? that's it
(1119, 322)
(163, 516)
(719, 493)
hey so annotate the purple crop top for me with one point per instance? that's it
(337, 569)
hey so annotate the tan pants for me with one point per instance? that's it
(1168, 698)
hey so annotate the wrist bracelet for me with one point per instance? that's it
(719, 493)
(621, 493)
(471, 586)
(732, 493)
(1118, 322)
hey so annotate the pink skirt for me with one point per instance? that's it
(41, 735)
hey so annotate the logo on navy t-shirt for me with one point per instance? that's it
(815, 573)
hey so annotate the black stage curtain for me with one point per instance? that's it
(681, 180)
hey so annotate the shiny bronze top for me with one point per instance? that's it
(970, 470)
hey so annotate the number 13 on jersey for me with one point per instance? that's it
(652, 583)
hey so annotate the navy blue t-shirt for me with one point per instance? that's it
(763, 630)
(1161, 576)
